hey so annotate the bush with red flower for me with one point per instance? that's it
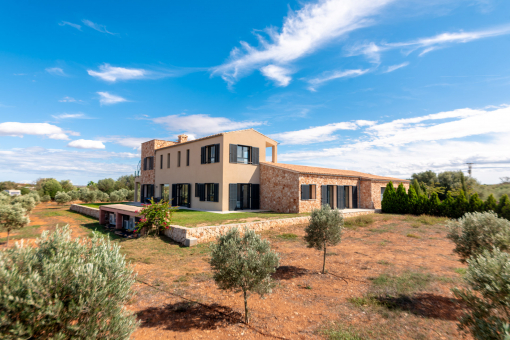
(156, 217)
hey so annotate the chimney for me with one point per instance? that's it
(182, 139)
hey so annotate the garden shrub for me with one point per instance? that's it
(475, 203)
(325, 229)
(422, 206)
(62, 197)
(476, 232)
(488, 299)
(243, 264)
(65, 289)
(490, 203)
(412, 202)
(115, 197)
(83, 194)
(447, 206)
(156, 217)
(461, 205)
(503, 202)
(401, 200)
(389, 197)
(91, 196)
(434, 205)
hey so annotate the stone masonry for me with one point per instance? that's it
(149, 150)
(279, 190)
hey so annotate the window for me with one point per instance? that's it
(187, 157)
(178, 158)
(242, 154)
(207, 191)
(382, 193)
(168, 161)
(161, 162)
(148, 163)
(210, 154)
(308, 191)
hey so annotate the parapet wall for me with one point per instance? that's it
(92, 212)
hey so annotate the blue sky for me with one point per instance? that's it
(381, 86)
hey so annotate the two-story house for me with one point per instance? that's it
(228, 171)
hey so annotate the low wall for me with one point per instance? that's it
(92, 212)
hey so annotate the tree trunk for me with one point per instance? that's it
(324, 263)
(7, 243)
(246, 317)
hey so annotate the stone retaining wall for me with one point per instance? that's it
(191, 236)
(92, 212)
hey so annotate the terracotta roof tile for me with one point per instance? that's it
(303, 169)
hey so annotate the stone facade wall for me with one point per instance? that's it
(149, 150)
(318, 180)
(92, 212)
(279, 189)
(365, 195)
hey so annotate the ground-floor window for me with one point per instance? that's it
(308, 191)
(181, 195)
(347, 197)
(147, 193)
(243, 196)
(328, 195)
(165, 192)
(207, 191)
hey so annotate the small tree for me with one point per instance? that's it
(243, 264)
(423, 205)
(13, 217)
(434, 204)
(106, 185)
(325, 229)
(389, 197)
(156, 217)
(35, 196)
(490, 204)
(51, 186)
(62, 197)
(402, 200)
(67, 185)
(412, 202)
(66, 289)
(488, 299)
(476, 232)
(45, 198)
(75, 195)
(503, 202)
(417, 188)
(27, 202)
(461, 205)
(475, 203)
(447, 206)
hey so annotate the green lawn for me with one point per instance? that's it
(192, 218)
(97, 205)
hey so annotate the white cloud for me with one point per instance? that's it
(109, 99)
(303, 32)
(57, 71)
(328, 76)
(201, 124)
(64, 23)
(318, 134)
(70, 100)
(426, 45)
(15, 129)
(276, 73)
(112, 74)
(70, 115)
(86, 144)
(396, 67)
(130, 142)
(440, 141)
(97, 27)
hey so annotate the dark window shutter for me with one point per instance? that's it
(197, 193)
(151, 163)
(188, 195)
(216, 192)
(161, 162)
(255, 155)
(355, 197)
(201, 191)
(217, 153)
(305, 192)
(202, 155)
(340, 197)
(255, 196)
(233, 153)
(145, 163)
(174, 195)
(324, 194)
(232, 194)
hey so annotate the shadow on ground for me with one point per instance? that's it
(184, 316)
(425, 305)
(289, 272)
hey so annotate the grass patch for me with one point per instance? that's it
(97, 205)
(413, 236)
(287, 236)
(404, 284)
(461, 271)
(358, 221)
(27, 232)
(364, 301)
(384, 263)
(340, 332)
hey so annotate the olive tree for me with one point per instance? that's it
(243, 264)
(488, 297)
(476, 232)
(325, 229)
(12, 217)
(62, 197)
(27, 202)
(45, 198)
(65, 289)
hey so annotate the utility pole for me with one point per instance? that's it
(470, 168)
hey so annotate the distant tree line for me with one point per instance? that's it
(401, 202)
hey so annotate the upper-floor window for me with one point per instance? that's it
(210, 154)
(308, 191)
(168, 160)
(187, 157)
(178, 158)
(244, 154)
(161, 162)
(148, 163)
